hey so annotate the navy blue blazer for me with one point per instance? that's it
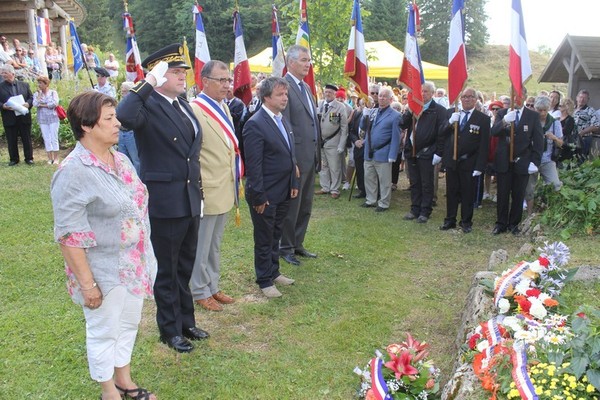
(169, 160)
(270, 162)
(385, 135)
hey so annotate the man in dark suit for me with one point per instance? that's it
(428, 141)
(301, 112)
(15, 125)
(513, 174)
(271, 181)
(168, 138)
(471, 158)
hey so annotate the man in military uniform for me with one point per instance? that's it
(104, 85)
(334, 133)
(169, 138)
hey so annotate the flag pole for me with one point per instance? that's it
(512, 125)
(455, 154)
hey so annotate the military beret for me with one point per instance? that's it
(101, 72)
(332, 87)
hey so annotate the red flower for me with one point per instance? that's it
(473, 341)
(401, 365)
(524, 304)
(581, 315)
(544, 262)
(533, 292)
(420, 350)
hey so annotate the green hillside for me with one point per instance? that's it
(488, 72)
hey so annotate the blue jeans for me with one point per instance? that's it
(127, 146)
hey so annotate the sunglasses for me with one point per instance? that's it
(529, 105)
(495, 109)
(374, 92)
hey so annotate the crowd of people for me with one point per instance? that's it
(179, 168)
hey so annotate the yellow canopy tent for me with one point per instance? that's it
(384, 61)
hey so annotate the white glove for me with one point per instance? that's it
(532, 169)
(476, 173)
(340, 151)
(510, 116)
(436, 159)
(158, 72)
(201, 208)
(455, 117)
(391, 161)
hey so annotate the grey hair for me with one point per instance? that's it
(385, 89)
(8, 68)
(430, 85)
(293, 53)
(542, 103)
(269, 84)
(210, 66)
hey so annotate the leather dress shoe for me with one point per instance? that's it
(335, 195)
(271, 292)
(195, 333)
(447, 226)
(209, 304)
(29, 162)
(409, 217)
(12, 163)
(422, 219)
(284, 280)
(321, 191)
(178, 343)
(498, 230)
(367, 205)
(305, 253)
(359, 195)
(467, 228)
(515, 231)
(380, 209)
(290, 259)
(223, 298)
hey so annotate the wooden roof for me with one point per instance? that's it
(584, 51)
(13, 17)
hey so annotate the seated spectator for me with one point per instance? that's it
(53, 63)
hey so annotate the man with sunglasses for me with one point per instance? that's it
(169, 139)
(103, 86)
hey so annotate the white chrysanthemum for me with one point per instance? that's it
(536, 267)
(537, 308)
(523, 286)
(504, 306)
(481, 346)
(513, 323)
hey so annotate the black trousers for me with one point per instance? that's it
(174, 241)
(359, 165)
(420, 174)
(267, 233)
(12, 134)
(459, 189)
(511, 192)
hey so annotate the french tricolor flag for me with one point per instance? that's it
(519, 66)
(278, 60)
(242, 79)
(133, 60)
(201, 54)
(457, 55)
(411, 74)
(356, 68)
(380, 389)
(42, 29)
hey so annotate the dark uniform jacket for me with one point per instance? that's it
(9, 118)
(169, 160)
(430, 129)
(528, 145)
(473, 142)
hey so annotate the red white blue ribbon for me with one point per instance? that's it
(519, 371)
(380, 389)
(509, 279)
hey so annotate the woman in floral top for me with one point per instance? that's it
(101, 223)
(46, 100)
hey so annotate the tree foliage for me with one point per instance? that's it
(386, 21)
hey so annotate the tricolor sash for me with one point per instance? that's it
(509, 279)
(380, 389)
(519, 372)
(216, 113)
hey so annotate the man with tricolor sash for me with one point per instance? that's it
(221, 173)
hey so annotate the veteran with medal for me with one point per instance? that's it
(471, 158)
(168, 137)
(334, 133)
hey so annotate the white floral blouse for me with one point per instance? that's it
(105, 212)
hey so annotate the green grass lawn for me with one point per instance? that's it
(376, 277)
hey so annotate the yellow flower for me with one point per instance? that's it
(513, 394)
(589, 388)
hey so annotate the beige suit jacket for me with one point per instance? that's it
(217, 159)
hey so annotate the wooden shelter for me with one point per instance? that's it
(576, 62)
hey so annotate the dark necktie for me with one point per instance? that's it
(13, 88)
(326, 107)
(186, 120)
(517, 120)
(465, 119)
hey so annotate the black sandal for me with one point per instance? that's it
(140, 393)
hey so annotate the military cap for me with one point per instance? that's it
(171, 54)
(101, 72)
(332, 87)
